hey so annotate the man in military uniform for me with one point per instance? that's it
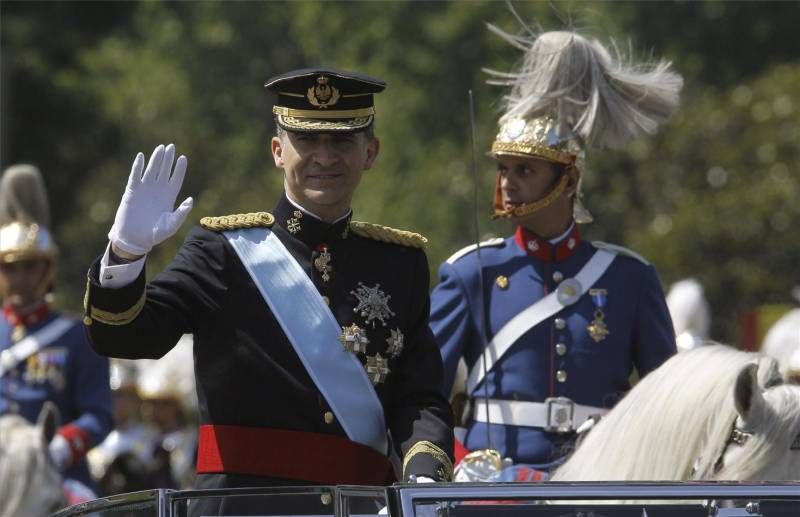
(311, 335)
(551, 325)
(44, 355)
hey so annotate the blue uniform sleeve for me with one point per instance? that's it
(90, 393)
(451, 322)
(654, 334)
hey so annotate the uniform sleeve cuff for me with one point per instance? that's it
(426, 459)
(113, 306)
(120, 275)
(77, 439)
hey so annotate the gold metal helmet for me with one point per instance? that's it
(26, 241)
(24, 216)
(571, 94)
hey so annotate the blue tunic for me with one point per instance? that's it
(71, 375)
(558, 357)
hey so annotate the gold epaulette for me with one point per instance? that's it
(386, 234)
(236, 221)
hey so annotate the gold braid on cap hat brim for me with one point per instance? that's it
(529, 208)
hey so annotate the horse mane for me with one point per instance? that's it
(29, 481)
(672, 425)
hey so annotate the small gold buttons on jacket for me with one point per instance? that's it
(87, 320)
(558, 276)
(502, 282)
(560, 323)
(561, 376)
(561, 349)
(328, 417)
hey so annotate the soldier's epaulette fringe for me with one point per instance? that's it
(237, 221)
(620, 250)
(386, 234)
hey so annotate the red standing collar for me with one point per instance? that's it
(28, 317)
(543, 250)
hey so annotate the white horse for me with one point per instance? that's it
(713, 413)
(30, 484)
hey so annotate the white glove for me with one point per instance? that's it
(60, 452)
(145, 216)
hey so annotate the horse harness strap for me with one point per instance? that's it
(555, 414)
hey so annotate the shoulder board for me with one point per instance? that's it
(497, 241)
(237, 221)
(620, 250)
(386, 234)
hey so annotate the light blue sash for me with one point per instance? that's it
(314, 333)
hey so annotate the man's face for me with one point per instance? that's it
(526, 180)
(322, 170)
(21, 282)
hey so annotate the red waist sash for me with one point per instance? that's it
(310, 457)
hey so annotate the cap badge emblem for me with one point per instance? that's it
(323, 95)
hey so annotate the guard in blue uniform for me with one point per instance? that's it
(300, 370)
(550, 325)
(44, 355)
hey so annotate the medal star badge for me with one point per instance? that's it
(373, 304)
(354, 339)
(395, 342)
(598, 330)
(323, 263)
(377, 368)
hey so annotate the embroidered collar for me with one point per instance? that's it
(308, 228)
(27, 316)
(556, 250)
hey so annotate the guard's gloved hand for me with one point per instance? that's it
(60, 452)
(145, 216)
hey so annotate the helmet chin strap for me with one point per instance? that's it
(527, 208)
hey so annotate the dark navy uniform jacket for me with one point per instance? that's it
(71, 375)
(557, 358)
(249, 377)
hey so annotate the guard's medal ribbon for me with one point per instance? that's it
(598, 330)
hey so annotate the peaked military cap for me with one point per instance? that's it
(322, 100)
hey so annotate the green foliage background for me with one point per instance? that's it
(85, 85)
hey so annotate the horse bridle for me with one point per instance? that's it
(740, 437)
